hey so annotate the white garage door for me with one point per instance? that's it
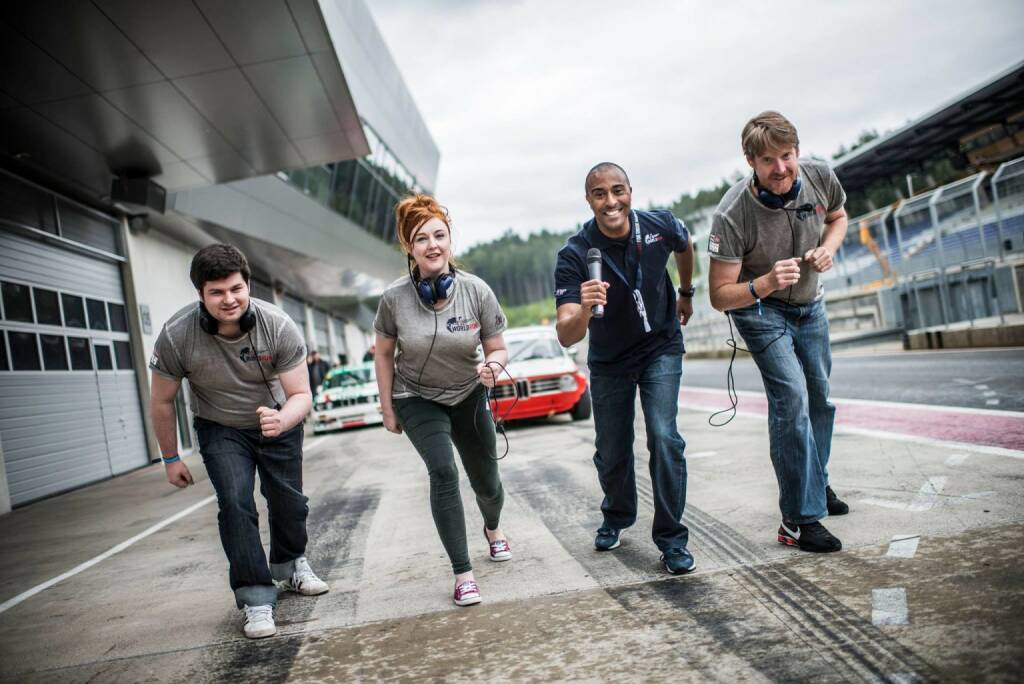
(69, 403)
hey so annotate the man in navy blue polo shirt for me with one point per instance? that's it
(636, 344)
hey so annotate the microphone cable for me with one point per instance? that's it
(730, 379)
(488, 395)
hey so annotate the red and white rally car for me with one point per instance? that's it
(546, 377)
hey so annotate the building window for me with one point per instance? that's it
(47, 307)
(24, 351)
(123, 352)
(3, 354)
(97, 314)
(74, 311)
(17, 302)
(118, 319)
(104, 360)
(55, 356)
(81, 359)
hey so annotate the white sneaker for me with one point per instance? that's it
(303, 580)
(259, 622)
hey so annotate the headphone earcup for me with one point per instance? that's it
(425, 289)
(207, 323)
(443, 285)
(248, 320)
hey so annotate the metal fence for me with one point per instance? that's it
(940, 249)
(960, 224)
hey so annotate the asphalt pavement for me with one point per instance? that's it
(125, 580)
(981, 378)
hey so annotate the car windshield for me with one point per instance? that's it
(349, 378)
(527, 348)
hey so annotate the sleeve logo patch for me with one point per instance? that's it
(154, 360)
(714, 243)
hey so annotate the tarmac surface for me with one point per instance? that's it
(928, 586)
(980, 378)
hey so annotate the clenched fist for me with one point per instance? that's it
(270, 421)
(784, 273)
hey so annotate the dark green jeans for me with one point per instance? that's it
(432, 429)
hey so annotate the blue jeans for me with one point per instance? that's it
(233, 457)
(614, 398)
(795, 369)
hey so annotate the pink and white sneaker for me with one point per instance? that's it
(500, 550)
(466, 593)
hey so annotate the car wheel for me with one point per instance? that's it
(581, 411)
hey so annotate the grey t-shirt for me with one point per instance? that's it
(744, 230)
(222, 373)
(471, 315)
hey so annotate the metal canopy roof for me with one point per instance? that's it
(189, 93)
(901, 151)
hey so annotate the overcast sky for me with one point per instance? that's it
(523, 97)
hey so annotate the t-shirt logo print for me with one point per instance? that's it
(247, 355)
(460, 324)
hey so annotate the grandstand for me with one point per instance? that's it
(948, 254)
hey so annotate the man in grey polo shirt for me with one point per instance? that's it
(242, 357)
(771, 236)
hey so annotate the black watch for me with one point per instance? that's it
(686, 292)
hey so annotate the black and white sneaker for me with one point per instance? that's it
(834, 504)
(810, 537)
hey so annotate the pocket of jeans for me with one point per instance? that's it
(750, 323)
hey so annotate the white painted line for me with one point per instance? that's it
(942, 443)
(992, 402)
(935, 408)
(889, 606)
(990, 393)
(10, 603)
(700, 454)
(981, 387)
(957, 459)
(903, 546)
(929, 494)
(885, 503)
(882, 434)
(902, 678)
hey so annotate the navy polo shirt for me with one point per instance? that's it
(618, 342)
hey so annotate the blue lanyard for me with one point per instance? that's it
(638, 241)
(638, 298)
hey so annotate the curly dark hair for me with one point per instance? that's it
(214, 262)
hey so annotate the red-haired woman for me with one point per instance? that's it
(435, 386)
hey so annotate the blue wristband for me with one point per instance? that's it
(173, 459)
(753, 292)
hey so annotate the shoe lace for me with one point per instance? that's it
(467, 587)
(605, 532)
(302, 571)
(259, 613)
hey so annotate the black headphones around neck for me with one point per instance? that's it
(774, 201)
(211, 325)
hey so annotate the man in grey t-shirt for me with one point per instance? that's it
(242, 357)
(771, 236)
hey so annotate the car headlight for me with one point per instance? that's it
(567, 383)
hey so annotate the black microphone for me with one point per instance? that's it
(594, 269)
